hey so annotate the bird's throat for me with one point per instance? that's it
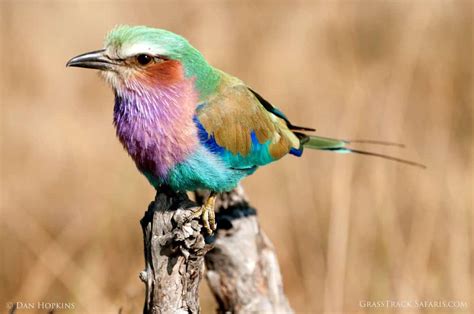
(155, 125)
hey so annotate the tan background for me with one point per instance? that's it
(346, 228)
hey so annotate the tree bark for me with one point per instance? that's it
(174, 255)
(242, 269)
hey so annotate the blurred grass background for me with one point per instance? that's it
(346, 228)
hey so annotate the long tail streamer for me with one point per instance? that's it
(341, 146)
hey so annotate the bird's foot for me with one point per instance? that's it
(207, 214)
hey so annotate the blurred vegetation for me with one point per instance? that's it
(346, 228)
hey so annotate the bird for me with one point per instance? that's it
(188, 125)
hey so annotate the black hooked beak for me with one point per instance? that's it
(92, 60)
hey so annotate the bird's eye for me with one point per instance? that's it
(144, 59)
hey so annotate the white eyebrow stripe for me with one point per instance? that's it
(133, 50)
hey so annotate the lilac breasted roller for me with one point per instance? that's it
(189, 125)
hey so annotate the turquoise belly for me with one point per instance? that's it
(204, 170)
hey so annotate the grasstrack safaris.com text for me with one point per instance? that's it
(454, 304)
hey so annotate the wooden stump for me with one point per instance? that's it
(242, 268)
(174, 255)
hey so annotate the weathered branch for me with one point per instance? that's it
(174, 255)
(242, 269)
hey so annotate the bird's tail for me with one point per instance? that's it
(343, 146)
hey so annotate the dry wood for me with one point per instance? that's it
(174, 255)
(243, 270)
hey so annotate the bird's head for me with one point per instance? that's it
(136, 57)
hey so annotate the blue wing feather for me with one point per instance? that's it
(259, 154)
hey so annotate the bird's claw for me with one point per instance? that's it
(207, 214)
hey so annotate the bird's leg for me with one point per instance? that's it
(206, 211)
(212, 214)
